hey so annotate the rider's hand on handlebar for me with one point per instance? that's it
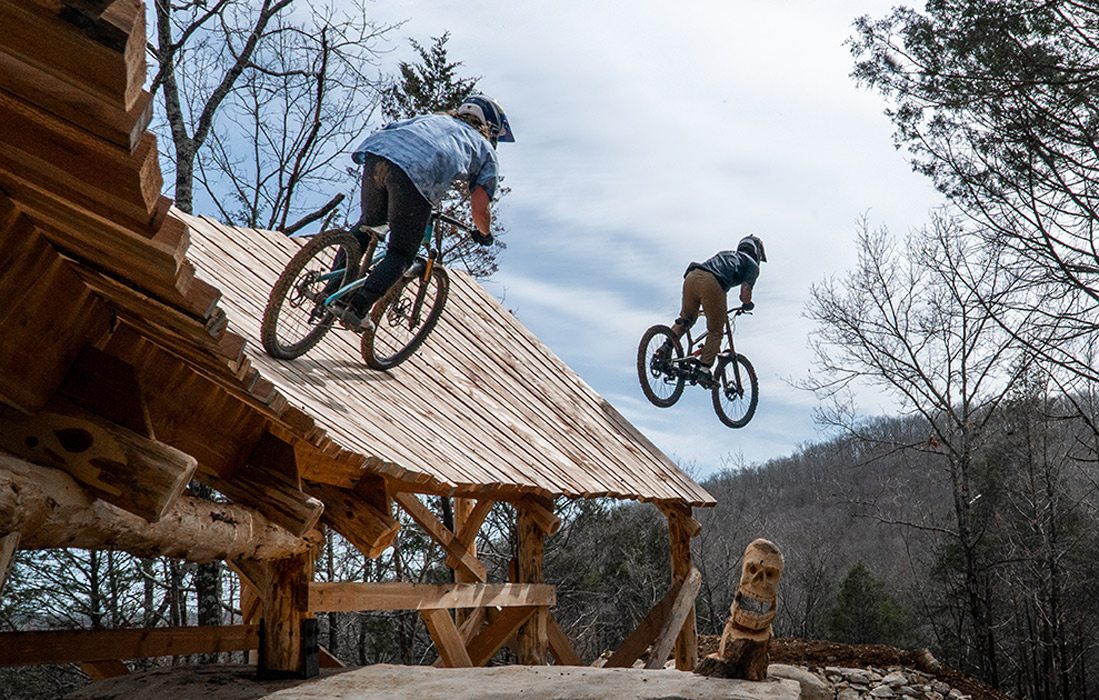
(481, 238)
(747, 306)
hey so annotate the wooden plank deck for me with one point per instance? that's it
(483, 403)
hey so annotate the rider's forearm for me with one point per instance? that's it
(745, 294)
(482, 215)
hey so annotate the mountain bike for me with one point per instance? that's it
(304, 302)
(664, 368)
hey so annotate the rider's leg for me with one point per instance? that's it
(408, 213)
(715, 306)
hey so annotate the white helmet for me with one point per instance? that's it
(491, 113)
(753, 246)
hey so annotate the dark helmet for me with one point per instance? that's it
(491, 113)
(753, 246)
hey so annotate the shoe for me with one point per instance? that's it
(353, 322)
(415, 269)
(663, 352)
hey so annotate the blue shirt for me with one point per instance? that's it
(435, 150)
(731, 268)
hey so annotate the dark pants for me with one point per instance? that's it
(389, 195)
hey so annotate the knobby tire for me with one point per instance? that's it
(295, 319)
(660, 383)
(735, 405)
(396, 335)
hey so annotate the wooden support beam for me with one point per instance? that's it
(76, 646)
(106, 668)
(8, 544)
(532, 639)
(493, 635)
(651, 626)
(139, 475)
(269, 482)
(328, 660)
(468, 518)
(427, 520)
(560, 645)
(106, 386)
(541, 510)
(401, 595)
(682, 607)
(681, 528)
(285, 647)
(50, 509)
(448, 641)
(351, 514)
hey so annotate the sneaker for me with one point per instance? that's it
(663, 352)
(415, 269)
(353, 322)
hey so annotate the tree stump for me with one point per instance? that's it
(745, 659)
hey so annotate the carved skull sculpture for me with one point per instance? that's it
(756, 599)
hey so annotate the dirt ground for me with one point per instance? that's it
(816, 653)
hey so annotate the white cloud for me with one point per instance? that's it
(651, 134)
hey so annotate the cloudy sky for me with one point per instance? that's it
(651, 134)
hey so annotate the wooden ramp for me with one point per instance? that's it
(483, 406)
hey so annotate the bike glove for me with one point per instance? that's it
(748, 306)
(481, 238)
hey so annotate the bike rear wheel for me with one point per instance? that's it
(735, 391)
(660, 382)
(296, 317)
(404, 317)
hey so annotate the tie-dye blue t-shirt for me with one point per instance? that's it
(435, 150)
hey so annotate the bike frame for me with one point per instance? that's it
(374, 255)
(724, 356)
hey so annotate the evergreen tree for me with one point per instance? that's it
(864, 612)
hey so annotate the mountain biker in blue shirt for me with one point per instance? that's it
(408, 166)
(706, 284)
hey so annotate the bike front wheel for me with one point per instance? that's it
(404, 317)
(656, 368)
(735, 391)
(296, 317)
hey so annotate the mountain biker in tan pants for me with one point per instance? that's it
(706, 284)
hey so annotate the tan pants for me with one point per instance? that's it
(700, 288)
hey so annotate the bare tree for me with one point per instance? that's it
(913, 319)
(261, 99)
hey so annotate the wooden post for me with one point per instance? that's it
(532, 638)
(681, 528)
(288, 644)
(463, 507)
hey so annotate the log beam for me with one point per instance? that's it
(532, 639)
(682, 607)
(496, 633)
(288, 645)
(654, 624)
(681, 528)
(356, 597)
(8, 544)
(560, 645)
(348, 512)
(50, 509)
(448, 641)
(77, 646)
(137, 474)
(446, 539)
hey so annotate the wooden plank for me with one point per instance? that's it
(74, 646)
(38, 37)
(106, 668)
(9, 543)
(448, 642)
(493, 636)
(468, 521)
(139, 475)
(427, 520)
(328, 660)
(401, 595)
(646, 631)
(681, 607)
(560, 645)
